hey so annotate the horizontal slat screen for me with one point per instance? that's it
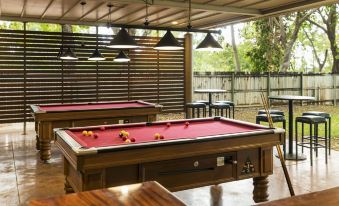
(30, 73)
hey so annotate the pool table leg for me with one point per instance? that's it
(216, 195)
(37, 145)
(260, 193)
(68, 189)
(45, 150)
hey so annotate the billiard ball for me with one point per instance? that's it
(186, 124)
(128, 141)
(168, 124)
(156, 135)
(132, 139)
(102, 128)
(162, 137)
(121, 135)
(124, 138)
(126, 134)
(95, 135)
(89, 133)
(84, 133)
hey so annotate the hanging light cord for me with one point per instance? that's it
(82, 3)
(189, 26)
(109, 14)
(146, 18)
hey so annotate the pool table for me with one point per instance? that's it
(192, 153)
(48, 117)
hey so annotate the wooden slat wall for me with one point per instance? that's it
(40, 78)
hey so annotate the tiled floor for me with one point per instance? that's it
(23, 177)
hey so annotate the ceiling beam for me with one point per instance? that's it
(112, 11)
(69, 9)
(149, 15)
(56, 21)
(90, 11)
(166, 16)
(47, 7)
(306, 4)
(198, 6)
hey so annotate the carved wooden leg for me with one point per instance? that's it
(37, 146)
(45, 150)
(216, 195)
(68, 188)
(260, 189)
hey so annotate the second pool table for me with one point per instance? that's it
(193, 153)
(48, 117)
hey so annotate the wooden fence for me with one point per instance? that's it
(245, 89)
(30, 73)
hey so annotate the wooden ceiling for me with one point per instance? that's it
(162, 13)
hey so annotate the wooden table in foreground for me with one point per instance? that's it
(144, 194)
(194, 153)
(48, 117)
(329, 197)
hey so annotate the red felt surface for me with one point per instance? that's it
(144, 133)
(70, 107)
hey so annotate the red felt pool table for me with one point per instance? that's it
(48, 117)
(203, 152)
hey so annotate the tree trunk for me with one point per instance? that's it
(331, 33)
(299, 20)
(235, 51)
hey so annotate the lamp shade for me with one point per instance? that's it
(123, 41)
(168, 42)
(96, 56)
(209, 44)
(68, 55)
(122, 57)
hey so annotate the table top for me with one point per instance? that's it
(209, 90)
(292, 97)
(327, 197)
(179, 131)
(147, 193)
(91, 106)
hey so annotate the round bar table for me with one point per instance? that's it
(290, 98)
(210, 92)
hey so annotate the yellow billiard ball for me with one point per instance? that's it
(157, 135)
(84, 133)
(89, 133)
(128, 141)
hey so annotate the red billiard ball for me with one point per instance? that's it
(124, 138)
(132, 139)
(186, 124)
(162, 137)
(95, 135)
(121, 135)
(102, 128)
(168, 124)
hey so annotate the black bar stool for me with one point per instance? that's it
(232, 105)
(313, 143)
(219, 109)
(271, 111)
(275, 118)
(327, 116)
(195, 109)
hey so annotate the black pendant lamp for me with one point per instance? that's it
(68, 55)
(168, 42)
(209, 44)
(123, 41)
(96, 56)
(122, 57)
